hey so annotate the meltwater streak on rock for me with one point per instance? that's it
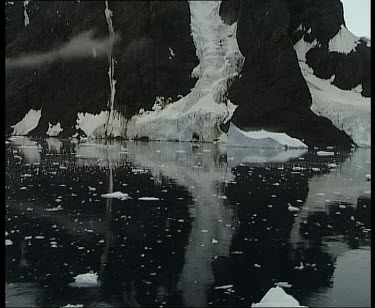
(111, 70)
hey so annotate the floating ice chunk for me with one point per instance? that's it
(283, 284)
(300, 267)
(88, 280)
(148, 199)
(293, 208)
(117, 195)
(8, 242)
(331, 165)
(224, 287)
(261, 139)
(277, 297)
(214, 241)
(54, 209)
(368, 177)
(72, 305)
(325, 153)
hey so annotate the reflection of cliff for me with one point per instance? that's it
(136, 246)
(261, 253)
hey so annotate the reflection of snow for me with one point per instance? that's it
(54, 145)
(88, 280)
(30, 149)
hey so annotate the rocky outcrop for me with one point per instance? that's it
(271, 91)
(321, 21)
(144, 67)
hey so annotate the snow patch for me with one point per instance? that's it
(261, 139)
(28, 123)
(54, 130)
(344, 41)
(102, 125)
(277, 297)
(302, 47)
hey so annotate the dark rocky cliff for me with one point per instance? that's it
(271, 92)
(143, 68)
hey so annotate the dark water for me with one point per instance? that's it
(221, 219)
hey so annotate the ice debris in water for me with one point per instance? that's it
(54, 209)
(293, 208)
(117, 195)
(148, 199)
(325, 153)
(8, 242)
(72, 305)
(88, 280)
(277, 297)
(283, 284)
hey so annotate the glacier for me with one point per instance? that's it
(201, 111)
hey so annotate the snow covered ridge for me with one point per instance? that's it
(261, 139)
(277, 297)
(347, 109)
(201, 111)
(28, 123)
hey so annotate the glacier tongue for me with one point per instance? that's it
(201, 111)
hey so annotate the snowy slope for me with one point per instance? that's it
(347, 109)
(205, 107)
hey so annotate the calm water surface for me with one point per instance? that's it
(224, 224)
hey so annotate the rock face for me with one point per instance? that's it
(144, 67)
(350, 69)
(272, 93)
(154, 59)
